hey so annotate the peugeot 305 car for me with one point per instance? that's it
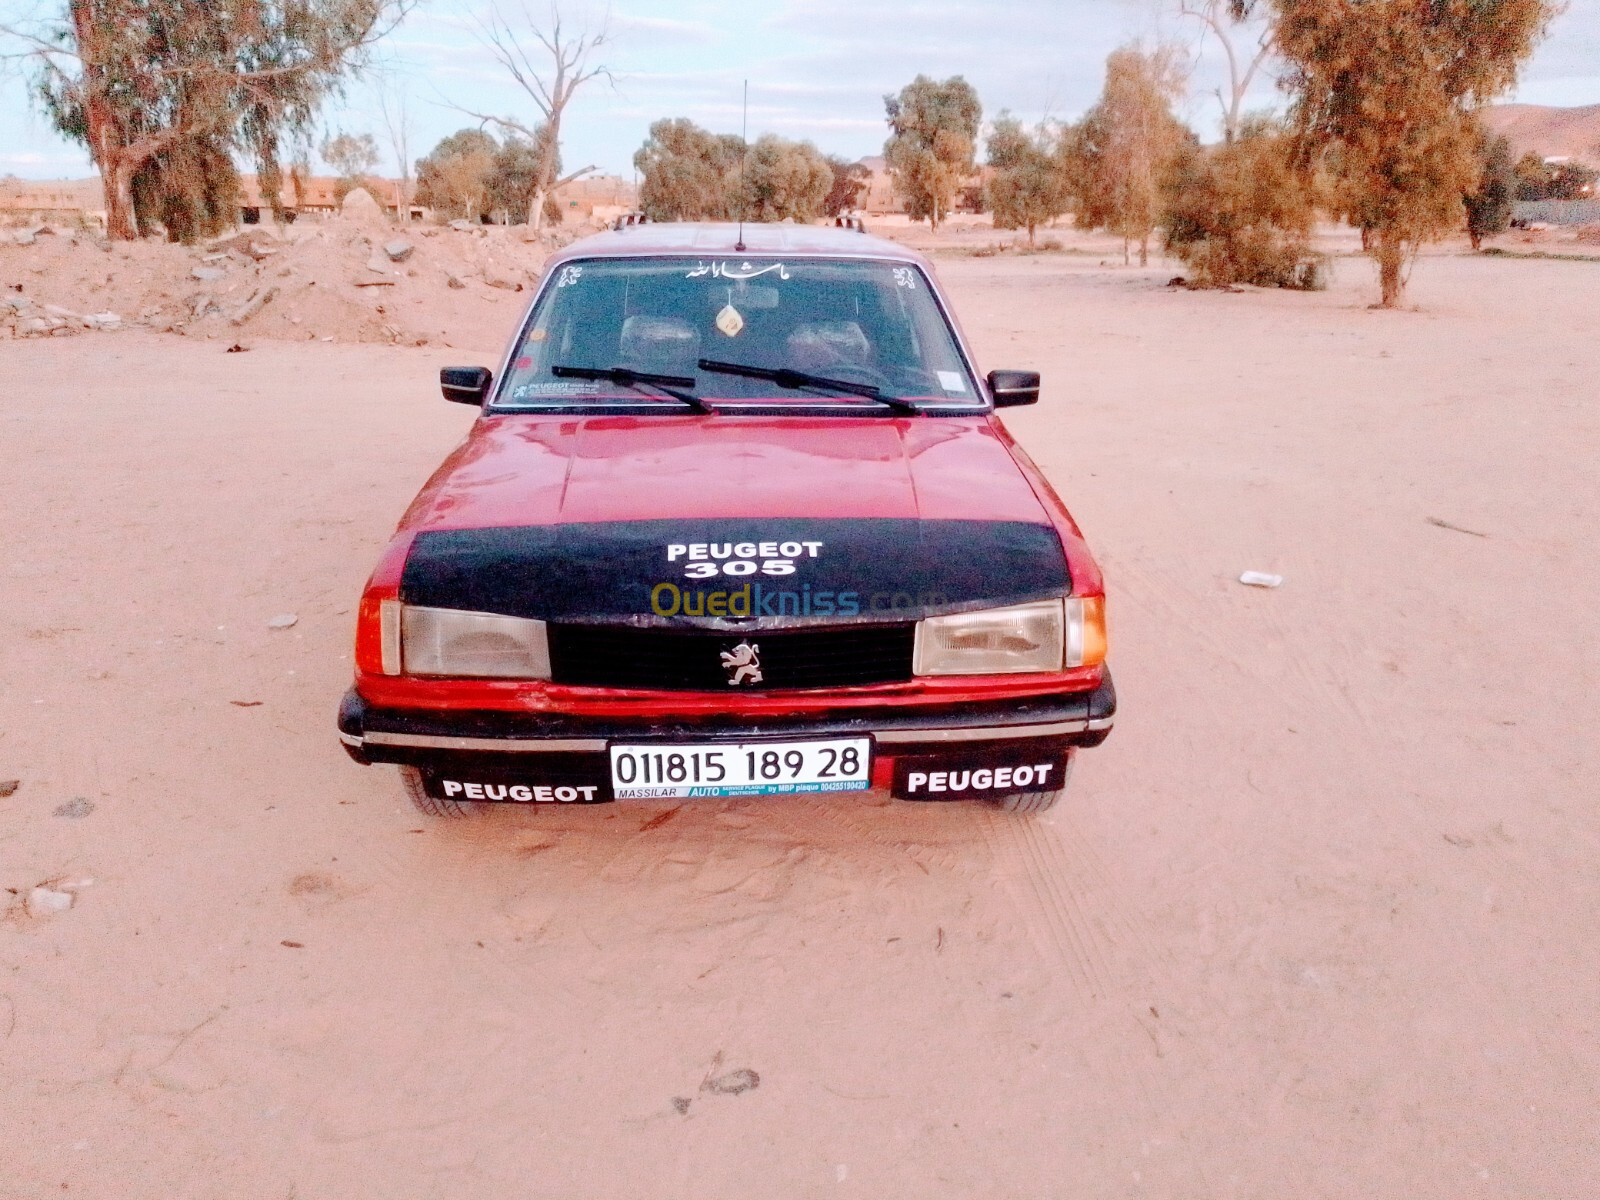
(736, 517)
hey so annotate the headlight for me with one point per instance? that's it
(443, 641)
(1048, 635)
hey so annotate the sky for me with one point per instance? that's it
(817, 70)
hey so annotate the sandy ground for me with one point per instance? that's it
(1320, 920)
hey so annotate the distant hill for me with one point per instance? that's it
(1548, 132)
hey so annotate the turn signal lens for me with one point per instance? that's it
(444, 641)
(1086, 631)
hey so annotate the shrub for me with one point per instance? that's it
(1242, 212)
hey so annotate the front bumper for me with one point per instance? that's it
(467, 741)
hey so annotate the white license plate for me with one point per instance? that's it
(740, 768)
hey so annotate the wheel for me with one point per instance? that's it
(1036, 802)
(411, 780)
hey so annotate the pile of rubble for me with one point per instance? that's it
(352, 278)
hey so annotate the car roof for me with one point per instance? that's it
(723, 237)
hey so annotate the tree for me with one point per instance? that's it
(133, 80)
(1243, 212)
(397, 124)
(1538, 179)
(849, 181)
(549, 77)
(1489, 204)
(1224, 19)
(684, 171)
(934, 136)
(1382, 92)
(1119, 160)
(454, 177)
(352, 156)
(780, 180)
(1028, 187)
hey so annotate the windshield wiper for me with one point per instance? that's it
(638, 381)
(796, 380)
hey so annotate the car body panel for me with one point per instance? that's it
(527, 468)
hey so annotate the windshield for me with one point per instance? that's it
(872, 324)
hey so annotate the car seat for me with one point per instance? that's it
(659, 345)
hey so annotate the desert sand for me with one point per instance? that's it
(1320, 920)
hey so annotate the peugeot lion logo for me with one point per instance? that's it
(743, 663)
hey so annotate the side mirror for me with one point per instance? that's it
(1011, 388)
(465, 385)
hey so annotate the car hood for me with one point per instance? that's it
(527, 470)
(586, 518)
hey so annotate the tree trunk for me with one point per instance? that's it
(1391, 258)
(1127, 252)
(1144, 251)
(1030, 237)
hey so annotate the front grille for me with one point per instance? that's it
(620, 656)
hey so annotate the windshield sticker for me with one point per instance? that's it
(951, 381)
(905, 277)
(569, 276)
(722, 270)
(729, 321)
(559, 387)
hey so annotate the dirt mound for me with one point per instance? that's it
(341, 280)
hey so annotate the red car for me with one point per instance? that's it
(736, 518)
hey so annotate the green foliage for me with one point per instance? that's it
(453, 179)
(780, 180)
(190, 190)
(134, 80)
(1120, 160)
(933, 140)
(1243, 211)
(849, 181)
(1489, 204)
(1383, 91)
(1028, 187)
(684, 172)
(1539, 180)
(690, 174)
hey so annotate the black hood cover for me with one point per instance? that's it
(767, 572)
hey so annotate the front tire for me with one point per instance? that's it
(1037, 802)
(411, 781)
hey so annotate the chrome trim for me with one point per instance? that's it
(350, 739)
(430, 742)
(1102, 723)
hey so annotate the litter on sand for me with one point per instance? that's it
(1261, 579)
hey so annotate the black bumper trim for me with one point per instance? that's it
(370, 734)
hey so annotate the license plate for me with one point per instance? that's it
(740, 769)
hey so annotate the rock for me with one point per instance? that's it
(8, 787)
(207, 274)
(496, 278)
(255, 304)
(23, 237)
(65, 314)
(105, 320)
(360, 208)
(203, 305)
(454, 281)
(379, 264)
(283, 621)
(76, 808)
(47, 902)
(462, 225)
(399, 251)
(32, 327)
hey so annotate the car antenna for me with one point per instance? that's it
(744, 173)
